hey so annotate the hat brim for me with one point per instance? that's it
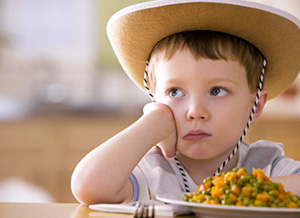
(134, 31)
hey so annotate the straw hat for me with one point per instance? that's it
(134, 31)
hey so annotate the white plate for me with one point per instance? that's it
(217, 211)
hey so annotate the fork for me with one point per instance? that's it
(144, 210)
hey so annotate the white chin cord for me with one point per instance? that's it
(260, 85)
(180, 167)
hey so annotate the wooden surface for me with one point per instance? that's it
(44, 149)
(281, 129)
(31, 210)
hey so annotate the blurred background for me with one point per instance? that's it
(62, 93)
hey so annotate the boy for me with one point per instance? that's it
(206, 60)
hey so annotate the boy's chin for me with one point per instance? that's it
(196, 154)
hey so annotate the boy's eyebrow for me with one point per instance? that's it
(173, 80)
(223, 79)
(213, 80)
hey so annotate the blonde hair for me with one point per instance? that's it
(212, 45)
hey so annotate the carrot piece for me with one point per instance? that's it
(241, 172)
(239, 203)
(262, 197)
(246, 191)
(236, 189)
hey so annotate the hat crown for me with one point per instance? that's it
(133, 31)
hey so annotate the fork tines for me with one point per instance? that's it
(144, 210)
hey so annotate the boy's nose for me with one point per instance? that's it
(197, 110)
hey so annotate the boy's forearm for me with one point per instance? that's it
(106, 169)
(102, 176)
(290, 183)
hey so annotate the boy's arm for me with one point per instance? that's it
(103, 174)
(290, 183)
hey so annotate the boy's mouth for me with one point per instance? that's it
(194, 135)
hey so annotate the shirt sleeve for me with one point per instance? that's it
(135, 188)
(298, 172)
(140, 185)
(269, 157)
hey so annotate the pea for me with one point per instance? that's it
(254, 189)
(208, 197)
(287, 201)
(252, 181)
(275, 184)
(235, 169)
(256, 185)
(272, 187)
(223, 197)
(198, 193)
(273, 193)
(260, 182)
(239, 182)
(224, 188)
(251, 205)
(253, 195)
(217, 200)
(271, 198)
(273, 205)
(266, 188)
(227, 201)
(277, 201)
(207, 191)
(228, 191)
(186, 198)
(295, 198)
(245, 178)
(248, 184)
(241, 198)
(281, 205)
(246, 201)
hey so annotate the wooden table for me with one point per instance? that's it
(55, 210)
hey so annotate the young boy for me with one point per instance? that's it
(206, 62)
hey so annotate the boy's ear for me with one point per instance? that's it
(261, 104)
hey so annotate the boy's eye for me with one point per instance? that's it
(219, 92)
(175, 93)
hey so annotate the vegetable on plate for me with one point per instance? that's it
(239, 188)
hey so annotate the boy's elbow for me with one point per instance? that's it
(80, 192)
(87, 194)
(83, 192)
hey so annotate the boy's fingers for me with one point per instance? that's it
(168, 145)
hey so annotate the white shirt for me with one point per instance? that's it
(157, 175)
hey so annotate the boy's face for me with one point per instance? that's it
(210, 100)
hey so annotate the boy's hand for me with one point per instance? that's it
(164, 126)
